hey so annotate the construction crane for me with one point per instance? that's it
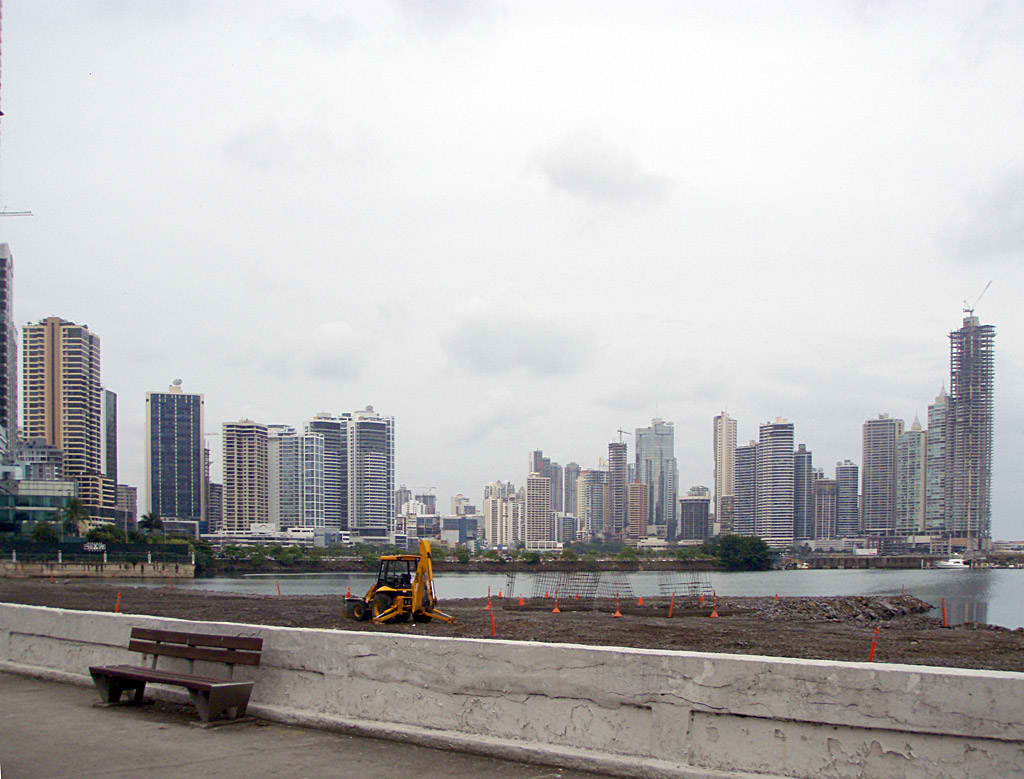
(620, 431)
(969, 307)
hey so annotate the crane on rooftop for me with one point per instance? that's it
(969, 307)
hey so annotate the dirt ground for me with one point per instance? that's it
(838, 628)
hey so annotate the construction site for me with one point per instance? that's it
(600, 610)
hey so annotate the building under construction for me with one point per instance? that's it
(969, 430)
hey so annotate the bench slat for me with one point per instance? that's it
(195, 652)
(251, 643)
(138, 673)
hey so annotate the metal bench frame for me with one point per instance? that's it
(211, 696)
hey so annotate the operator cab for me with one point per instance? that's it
(396, 574)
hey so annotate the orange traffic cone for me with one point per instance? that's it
(547, 594)
(51, 577)
(671, 605)
(776, 596)
(701, 598)
(499, 594)
(556, 610)
(617, 612)
(521, 602)
(488, 606)
(348, 592)
(494, 632)
(640, 601)
(874, 643)
(903, 589)
(117, 604)
(714, 610)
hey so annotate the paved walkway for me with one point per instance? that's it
(49, 729)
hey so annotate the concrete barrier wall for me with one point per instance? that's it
(632, 711)
(33, 569)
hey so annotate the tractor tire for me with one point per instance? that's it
(422, 617)
(350, 610)
(360, 611)
(382, 601)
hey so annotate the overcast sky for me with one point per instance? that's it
(525, 225)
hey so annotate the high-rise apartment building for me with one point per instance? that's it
(592, 501)
(878, 475)
(538, 511)
(245, 476)
(618, 495)
(936, 464)
(8, 354)
(773, 514)
(656, 467)
(63, 405)
(371, 473)
(823, 493)
(639, 511)
(403, 495)
(803, 497)
(175, 479)
(694, 517)
(503, 519)
(335, 430)
(570, 477)
(745, 486)
(725, 463)
(109, 439)
(295, 478)
(215, 506)
(127, 504)
(969, 430)
(911, 484)
(847, 499)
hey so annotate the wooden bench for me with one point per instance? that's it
(211, 696)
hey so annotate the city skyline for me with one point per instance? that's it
(398, 260)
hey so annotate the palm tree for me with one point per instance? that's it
(74, 515)
(151, 522)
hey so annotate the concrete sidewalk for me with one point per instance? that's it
(48, 729)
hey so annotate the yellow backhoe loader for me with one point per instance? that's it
(404, 589)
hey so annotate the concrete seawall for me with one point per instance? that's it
(632, 711)
(28, 570)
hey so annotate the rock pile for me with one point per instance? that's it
(859, 608)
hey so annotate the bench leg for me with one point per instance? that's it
(212, 704)
(111, 688)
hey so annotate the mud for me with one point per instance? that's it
(837, 628)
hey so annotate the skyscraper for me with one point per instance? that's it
(335, 431)
(745, 485)
(618, 497)
(371, 473)
(109, 439)
(847, 499)
(910, 480)
(773, 515)
(656, 467)
(936, 464)
(175, 480)
(824, 494)
(639, 512)
(694, 517)
(969, 430)
(878, 475)
(245, 475)
(803, 496)
(8, 354)
(725, 462)
(295, 478)
(554, 472)
(538, 511)
(591, 501)
(63, 402)
(571, 476)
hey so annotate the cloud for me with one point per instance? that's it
(325, 34)
(585, 166)
(261, 147)
(334, 352)
(440, 15)
(502, 344)
(994, 227)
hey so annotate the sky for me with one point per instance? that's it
(522, 225)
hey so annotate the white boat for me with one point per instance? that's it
(956, 562)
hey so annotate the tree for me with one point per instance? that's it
(492, 554)
(45, 533)
(73, 517)
(531, 558)
(108, 535)
(151, 522)
(744, 553)
(569, 555)
(462, 554)
(627, 553)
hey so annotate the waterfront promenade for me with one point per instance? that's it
(49, 729)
